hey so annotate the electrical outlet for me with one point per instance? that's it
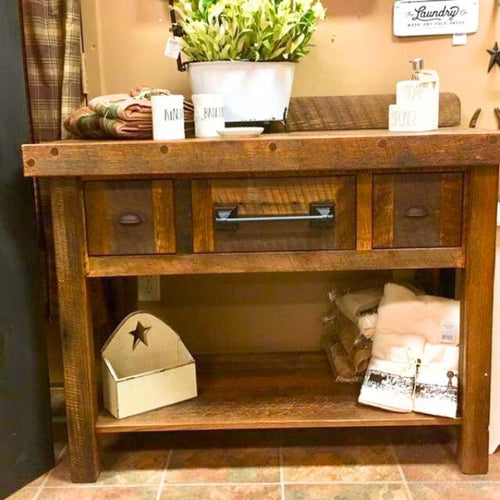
(148, 289)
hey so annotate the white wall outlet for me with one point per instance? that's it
(148, 288)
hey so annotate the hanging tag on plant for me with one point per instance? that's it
(173, 48)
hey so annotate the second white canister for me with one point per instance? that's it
(208, 114)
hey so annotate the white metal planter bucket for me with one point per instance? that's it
(253, 91)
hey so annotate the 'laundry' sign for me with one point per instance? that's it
(435, 17)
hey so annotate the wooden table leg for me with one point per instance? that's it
(476, 318)
(76, 328)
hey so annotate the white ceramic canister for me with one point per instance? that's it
(168, 117)
(208, 114)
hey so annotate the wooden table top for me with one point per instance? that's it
(297, 153)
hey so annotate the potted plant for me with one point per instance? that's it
(246, 50)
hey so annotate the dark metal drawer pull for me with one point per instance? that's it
(319, 214)
(416, 212)
(129, 219)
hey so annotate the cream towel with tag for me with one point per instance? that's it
(401, 311)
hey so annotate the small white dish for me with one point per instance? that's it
(240, 131)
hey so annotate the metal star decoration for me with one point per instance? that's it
(494, 56)
(139, 334)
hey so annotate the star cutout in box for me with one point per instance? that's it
(139, 334)
(494, 56)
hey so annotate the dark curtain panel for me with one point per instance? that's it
(52, 46)
(25, 426)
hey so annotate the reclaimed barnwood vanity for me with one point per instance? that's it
(323, 201)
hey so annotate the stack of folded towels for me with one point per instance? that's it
(414, 364)
(119, 116)
(349, 328)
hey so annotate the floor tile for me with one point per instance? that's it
(219, 458)
(494, 467)
(346, 492)
(26, 493)
(457, 491)
(60, 439)
(325, 436)
(348, 457)
(131, 460)
(92, 493)
(218, 492)
(430, 455)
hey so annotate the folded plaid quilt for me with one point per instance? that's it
(120, 116)
(126, 129)
(84, 122)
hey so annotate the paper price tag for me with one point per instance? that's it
(459, 39)
(448, 333)
(173, 48)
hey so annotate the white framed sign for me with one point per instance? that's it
(435, 17)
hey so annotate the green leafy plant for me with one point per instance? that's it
(253, 30)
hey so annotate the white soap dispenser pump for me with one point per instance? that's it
(417, 101)
(429, 91)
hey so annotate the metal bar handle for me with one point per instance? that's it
(273, 218)
(319, 213)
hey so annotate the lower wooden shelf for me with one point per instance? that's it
(263, 391)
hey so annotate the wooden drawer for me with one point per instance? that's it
(252, 215)
(129, 217)
(417, 210)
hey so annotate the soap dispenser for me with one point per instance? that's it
(429, 90)
(417, 101)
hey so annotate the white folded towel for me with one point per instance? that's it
(436, 384)
(388, 385)
(398, 348)
(354, 303)
(390, 378)
(401, 311)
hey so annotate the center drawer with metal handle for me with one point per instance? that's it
(259, 215)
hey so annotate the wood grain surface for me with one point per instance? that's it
(364, 208)
(151, 202)
(275, 197)
(417, 210)
(275, 390)
(300, 153)
(76, 328)
(476, 318)
(269, 262)
(355, 112)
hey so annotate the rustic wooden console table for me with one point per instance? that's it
(280, 202)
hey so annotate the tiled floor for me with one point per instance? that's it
(354, 464)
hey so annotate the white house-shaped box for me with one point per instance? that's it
(145, 365)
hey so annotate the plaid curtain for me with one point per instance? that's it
(52, 35)
(52, 43)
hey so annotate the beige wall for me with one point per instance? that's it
(253, 313)
(124, 42)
